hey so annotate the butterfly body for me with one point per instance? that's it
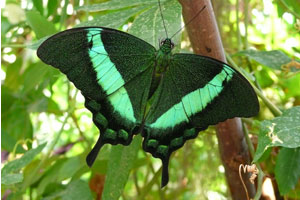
(131, 88)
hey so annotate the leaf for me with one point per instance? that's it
(52, 6)
(113, 19)
(149, 25)
(287, 169)
(15, 14)
(77, 190)
(69, 168)
(18, 164)
(9, 179)
(50, 176)
(115, 5)
(38, 4)
(281, 131)
(273, 59)
(291, 86)
(264, 77)
(17, 121)
(10, 143)
(39, 24)
(120, 164)
(292, 5)
(33, 75)
(14, 76)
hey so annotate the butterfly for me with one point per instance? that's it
(132, 88)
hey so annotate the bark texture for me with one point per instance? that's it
(205, 39)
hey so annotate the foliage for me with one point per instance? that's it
(39, 105)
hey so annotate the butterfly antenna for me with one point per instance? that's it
(189, 22)
(159, 5)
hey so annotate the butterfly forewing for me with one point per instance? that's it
(112, 69)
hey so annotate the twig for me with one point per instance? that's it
(250, 169)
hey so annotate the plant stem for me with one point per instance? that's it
(260, 173)
(246, 23)
(45, 158)
(148, 187)
(14, 45)
(237, 9)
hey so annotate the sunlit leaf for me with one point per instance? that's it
(8, 179)
(115, 4)
(281, 131)
(16, 165)
(274, 59)
(149, 26)
(52, 6)
(38, 4)
(39, 24)
(113, 19)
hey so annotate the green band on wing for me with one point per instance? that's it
(193, 102)
(108, 76)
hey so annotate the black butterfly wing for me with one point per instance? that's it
(194, 93)
(112, 69)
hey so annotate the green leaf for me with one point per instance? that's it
(9, 179)
(291, 86)
(18, 164)
(77, 190)
(287, 169)
(7, 100)
(5, 27)
(113, 19)
(281, 131)
(149, 25)
(292, 5)
(17, 121)
(120, 164)
(33, 75)
(14, 76)
(115, 5)
(10, 143)
(264, 77)
(52, 6)
(50, 176)
(69, 168)
(38, 4)
(54, 108)
(273, 59)
(39, 24)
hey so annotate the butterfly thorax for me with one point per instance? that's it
(164, 55)
(162, 60)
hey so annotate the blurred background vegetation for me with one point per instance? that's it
(46, 131)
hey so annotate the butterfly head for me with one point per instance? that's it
(166, 45)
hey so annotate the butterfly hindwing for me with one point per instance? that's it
(112, 69)
(194, 93)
